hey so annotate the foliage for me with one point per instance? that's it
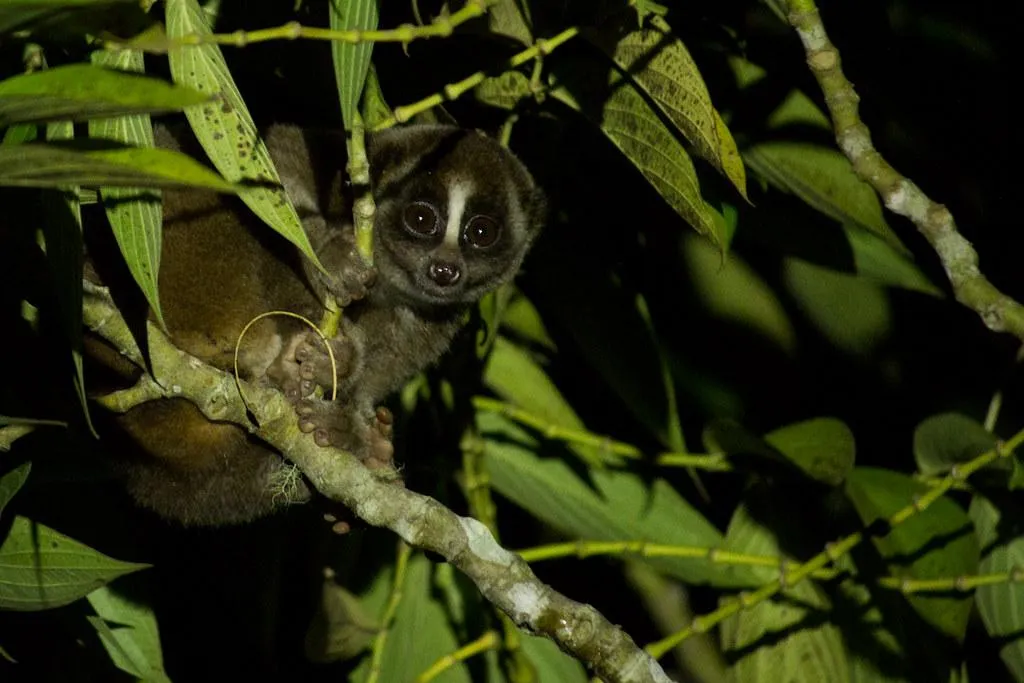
(849, 514)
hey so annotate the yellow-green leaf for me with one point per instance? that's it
(135, 215)
(660, 64)
(224, 127)
(612, 102)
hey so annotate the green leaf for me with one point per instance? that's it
(876, 654)
(503, 91)
(41, 568)
(11, 482)
(1001, 605)
(351, 60)
(733, 291)
(553, 665)
(102, 163)
(781, 639)
(342, 627)
(854, 314)
(822, 447)
(421, 633)
(877, 260)
(522, 319)
(515, 377)
(606, 320)
(375, 107)
(824, 179)
(508, 18)
(135, 215)
(82, 91)
(62, 239)
(612, 102)
(662, 66)
(225, 129)
(936, 543)
(604, 505)
(70, 17)
(131, 637)
(944, 440)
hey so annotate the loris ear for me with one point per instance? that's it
(538, 211)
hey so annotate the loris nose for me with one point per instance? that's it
(443, 273)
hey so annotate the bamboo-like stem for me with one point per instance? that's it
(441, 27)
(605, 446)
(833, 551)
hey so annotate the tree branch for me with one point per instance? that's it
(998, 311)
(501, 576)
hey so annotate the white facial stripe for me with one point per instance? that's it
(457, 198)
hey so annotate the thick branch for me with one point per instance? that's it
(998, 311)
(501, 576)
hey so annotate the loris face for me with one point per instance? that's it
(456, 213)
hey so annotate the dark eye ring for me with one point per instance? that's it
(482, 231)
(421, 218)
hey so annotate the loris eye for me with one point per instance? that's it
(482, 231)
(421, 219)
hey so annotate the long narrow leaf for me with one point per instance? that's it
(135, 214)
(81, 91)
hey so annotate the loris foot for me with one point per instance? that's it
(308, 365)
(332, 424)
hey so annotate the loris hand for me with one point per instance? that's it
(350, 278)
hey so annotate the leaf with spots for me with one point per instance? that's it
(224, 127)
(41, 568)
(135, 215)
(660, 64)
